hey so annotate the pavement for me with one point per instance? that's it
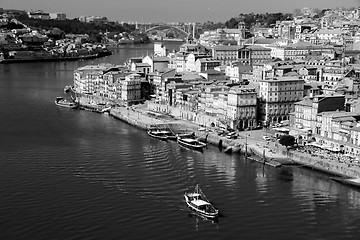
(254, 139)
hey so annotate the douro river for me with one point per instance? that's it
(72, 174)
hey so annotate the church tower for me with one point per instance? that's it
(241, 27)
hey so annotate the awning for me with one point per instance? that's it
(314, 144)
(282, 129)
(349, 155)
(330, 148)
(344, 131)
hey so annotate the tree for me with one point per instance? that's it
(232, 23)
(287, 140)
(297, 12)
(170, 34)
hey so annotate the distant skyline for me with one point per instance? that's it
(170, 10)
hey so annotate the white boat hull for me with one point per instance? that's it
(61, 102)
(161, 137)
(202, 213)
(198, 146)
(198, 203)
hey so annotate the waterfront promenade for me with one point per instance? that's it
(274, 153)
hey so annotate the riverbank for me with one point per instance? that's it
(35, 58)
(251, 141)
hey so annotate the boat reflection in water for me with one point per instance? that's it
(203, 221)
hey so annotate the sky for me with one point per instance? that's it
(170, 10)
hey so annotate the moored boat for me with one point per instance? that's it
(198, 202)
(186, 135)
(160, 134)
(62, 102)
(191, 143)
(105, 110)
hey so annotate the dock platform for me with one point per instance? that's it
(269, 162)
(354, 182)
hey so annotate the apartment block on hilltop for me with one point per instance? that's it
(239, 73)
(188, 52)
(226, 53)
(39, 14)
(156, 63)
(194, 60)
(205, 64)
(190, 47)
(58, 16)
(254, 54)
(140, 67)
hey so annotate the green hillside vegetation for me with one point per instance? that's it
(75, 26)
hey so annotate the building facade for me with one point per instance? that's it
(277, 98)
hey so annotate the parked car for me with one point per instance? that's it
(231, 133)
(220, 133)
(232, 136)
(266, 138)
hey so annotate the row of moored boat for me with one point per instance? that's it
(185, 140)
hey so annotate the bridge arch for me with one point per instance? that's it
(167, 26)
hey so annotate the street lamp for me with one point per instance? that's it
(245, 146)
(246, 135)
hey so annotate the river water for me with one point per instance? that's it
(71, 174)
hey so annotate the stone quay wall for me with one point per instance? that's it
(139, 118)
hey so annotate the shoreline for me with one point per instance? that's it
(276, 155)
(56, 59)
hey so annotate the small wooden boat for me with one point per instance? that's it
(191, 143)
(171, 136)
(186, 135)
(160, 134)
(62, 102)
(105, 110)
(198, 202)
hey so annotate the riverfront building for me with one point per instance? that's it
(108, 81)
(277, 97)
(290, 78)
(242, 107)
(304, 118)
(131, 89)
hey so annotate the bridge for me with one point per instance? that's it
(184, 30)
